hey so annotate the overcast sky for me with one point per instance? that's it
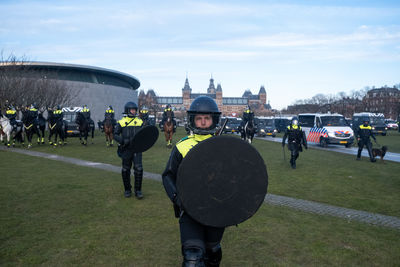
(296, 49)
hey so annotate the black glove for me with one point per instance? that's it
(305, 146)
(283, 144)
(177, 206)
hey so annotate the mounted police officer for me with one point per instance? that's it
(165, 117)
(363, 134)
(126, 129)
(200, 243)
(110, 114)
(33, 114)
(11, 114)
(144, 115)
(296, 138)
(58, 113)
(248, 115)
(86, 113)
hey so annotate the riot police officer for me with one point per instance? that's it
(296, 138)
(126, 129)
(167, 109)
(363, 134)
(200, 244)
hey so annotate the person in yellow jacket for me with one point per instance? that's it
(200, 244)
(363, 134)
(126, 129)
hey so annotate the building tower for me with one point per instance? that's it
(211, 87)
(186, 92)
(262, 94)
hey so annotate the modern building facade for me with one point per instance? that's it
(95, 87)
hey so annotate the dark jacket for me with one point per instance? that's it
(126, 129)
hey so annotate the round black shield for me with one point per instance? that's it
(145, 138)
(222, 181)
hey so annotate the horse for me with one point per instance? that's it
(108, 127)
(7, 130)
(248, 131)
(55, 128)
(30, 127)
(168, 129)
(84, 128)
(42, 125)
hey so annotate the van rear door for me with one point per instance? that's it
(306, 121)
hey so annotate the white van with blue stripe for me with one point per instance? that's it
(326, 129)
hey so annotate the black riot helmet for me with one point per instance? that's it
(203, 105)
(128, 106)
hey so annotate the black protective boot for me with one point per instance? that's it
(138, 183)
(126, 179)
(293, 162)
(213, 256)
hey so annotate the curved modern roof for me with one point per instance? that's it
(79, 73)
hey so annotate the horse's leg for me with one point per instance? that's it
(106, 133)
(42, 130)
(50, 135)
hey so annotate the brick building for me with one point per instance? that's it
(229, 106)
(383, 100)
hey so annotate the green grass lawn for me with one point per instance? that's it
(55, 214)
(323, 176)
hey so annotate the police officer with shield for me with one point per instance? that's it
(200, 243)
(124, 133)
(296, 138)
(363, 134)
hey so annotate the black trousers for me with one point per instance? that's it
(294, 148)
(127, 160)
(368, 145)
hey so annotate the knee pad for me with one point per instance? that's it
(193, 257)
(138, 169)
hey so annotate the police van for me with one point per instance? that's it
(376, 121)
(71, 128)
(326, 129)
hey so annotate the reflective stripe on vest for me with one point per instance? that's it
(126, 121)
(295, 127)
(11, 111)
(362, 127)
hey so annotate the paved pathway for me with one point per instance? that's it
(342, 149)
(299, 204)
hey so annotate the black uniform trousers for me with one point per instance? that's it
(294, 148)
(127, 160)
(367, 143)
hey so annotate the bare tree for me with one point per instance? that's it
(22, 85)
